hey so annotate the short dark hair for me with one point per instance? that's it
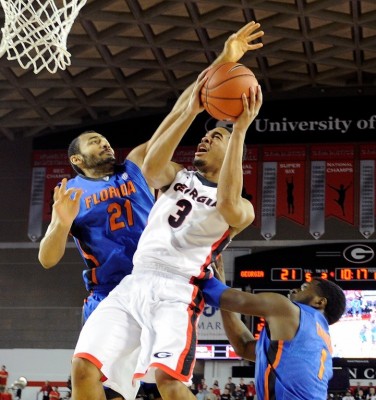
(74, 148)
(336, 300)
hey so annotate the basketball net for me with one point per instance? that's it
(35, 32)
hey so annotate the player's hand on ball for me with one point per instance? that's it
(240, 42)
(195, 105)
(251, 109)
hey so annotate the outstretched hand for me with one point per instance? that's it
(66, 203)
(240, 42)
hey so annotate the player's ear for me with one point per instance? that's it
(320, 302)
(76, 159)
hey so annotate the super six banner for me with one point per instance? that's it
(304, 187)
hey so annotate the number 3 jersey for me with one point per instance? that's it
(113, 213)
(185, 231)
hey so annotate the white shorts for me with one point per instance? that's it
(148, 321)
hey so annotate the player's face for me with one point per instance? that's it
(96, 150)
(306, 293)
(212, 149)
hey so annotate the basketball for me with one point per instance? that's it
(221, 94)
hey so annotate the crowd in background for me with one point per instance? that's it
(355, 393)
(229, 391)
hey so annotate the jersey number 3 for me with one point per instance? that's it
(185, 208)
(118, 212)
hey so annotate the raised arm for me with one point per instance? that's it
(237, 211)
(64, 211)
(158, 168)
(234, 49)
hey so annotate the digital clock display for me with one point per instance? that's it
(348, 265)
(355, 274)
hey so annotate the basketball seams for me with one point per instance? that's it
(208, 90)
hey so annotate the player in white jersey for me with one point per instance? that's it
(192, 232)
(146, 328)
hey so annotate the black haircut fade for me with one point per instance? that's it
(336, 300)
(74, 148)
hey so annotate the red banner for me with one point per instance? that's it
(291, 170)
(56, 167)
(339, 177)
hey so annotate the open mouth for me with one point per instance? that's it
(201, 149)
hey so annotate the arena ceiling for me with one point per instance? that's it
(134, 57)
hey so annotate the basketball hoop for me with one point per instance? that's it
(35, 32)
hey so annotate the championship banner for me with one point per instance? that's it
(250, 172)
(49, 167)
(340, 182)
(339, 177)
(283, 188)
(367, 190)
(291, 182)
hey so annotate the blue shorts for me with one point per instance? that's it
(91, 303)
(212, 290)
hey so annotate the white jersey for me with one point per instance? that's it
(185, 231)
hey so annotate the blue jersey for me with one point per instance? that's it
(299, 369)
(113, 213)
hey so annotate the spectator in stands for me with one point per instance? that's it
(193, 389)
(371, 395)
(360, 395)
(211, 395)
(251, 391)
(230, 385)
(243, 386)
(201, 384)
(348, 396)
(45, 390)
(238, 394)
(3, 379)
(217, 390)
(54, 394)
(226, 395)
(200, 394)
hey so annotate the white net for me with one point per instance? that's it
(35, 32)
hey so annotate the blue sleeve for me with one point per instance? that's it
(212, 290)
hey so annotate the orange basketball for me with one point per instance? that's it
(221, 95)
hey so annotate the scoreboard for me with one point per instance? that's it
(351, 266)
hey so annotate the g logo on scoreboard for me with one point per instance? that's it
(358, 253)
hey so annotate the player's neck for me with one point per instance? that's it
(98, 173)
(209, 175)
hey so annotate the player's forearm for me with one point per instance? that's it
(230, 183)
(52, 246)
(161, 152)
(239, 335)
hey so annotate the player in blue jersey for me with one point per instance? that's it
(293, 353)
